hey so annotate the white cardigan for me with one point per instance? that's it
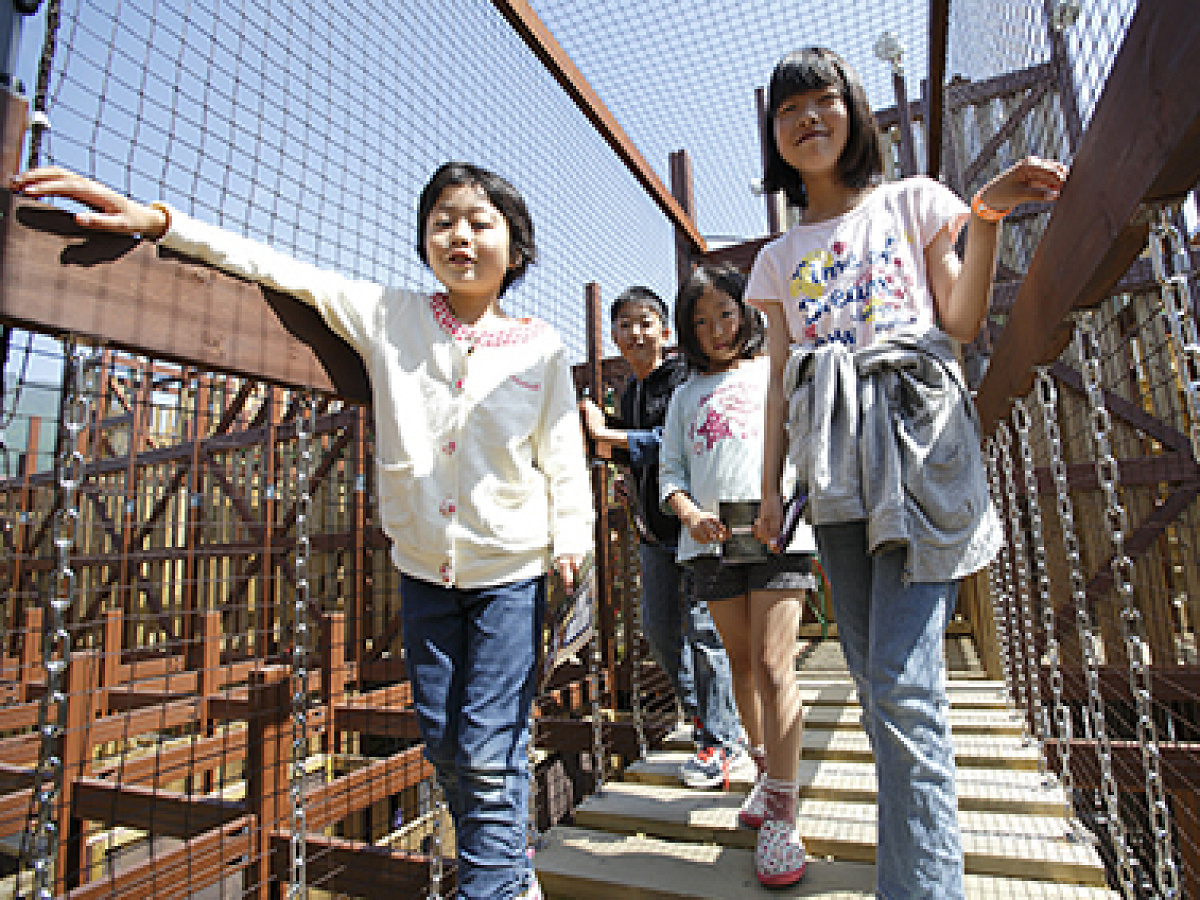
(479, 454)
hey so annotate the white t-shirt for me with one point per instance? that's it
(712, 446)
(860, 276)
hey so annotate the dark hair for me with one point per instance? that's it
(500, 194)
(638, 296)
(751, 332)
(861, 162)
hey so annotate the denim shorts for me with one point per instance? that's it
(715, 580)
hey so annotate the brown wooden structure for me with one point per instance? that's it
(176, 688)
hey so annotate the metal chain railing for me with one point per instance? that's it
(996, 576)
(41, 838)
(1172, 266)
(1062, 730)
(1089, 642)
(634, 631)
(306, 426)
(1117, 523)
(431, 808)
(1031, 695)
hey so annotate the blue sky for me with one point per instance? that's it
(313, 124)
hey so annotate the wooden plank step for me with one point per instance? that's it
(1010, 846)
(979, 790)
(582, 864)
(970, 750)
(849, 718)
(822, 691)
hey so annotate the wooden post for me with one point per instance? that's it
(75, 748)
(21, 531)
(267, 757)
(110, 659)
(193, 520)
(604, 568)
(360, 499)
(31, 651)
(683, 190)
(333, 675)
(264, 620)
(773, 200)
(908, 156)
(204, 658)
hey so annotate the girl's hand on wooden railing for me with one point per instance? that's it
(110, 211)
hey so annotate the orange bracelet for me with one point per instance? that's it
(985, 212)
(166, 211)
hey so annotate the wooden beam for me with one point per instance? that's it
(537, 37)
(63, 280)
(206, 859)
(330, 803)
(1143, 145)
(341, 866)
(149, 809)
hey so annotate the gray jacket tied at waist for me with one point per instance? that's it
(888, 434)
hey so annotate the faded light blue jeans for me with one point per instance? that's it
(471, 656)
(892, 635)
(684, 641)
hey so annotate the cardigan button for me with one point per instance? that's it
(448, 507)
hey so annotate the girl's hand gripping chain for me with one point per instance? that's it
(110, 211)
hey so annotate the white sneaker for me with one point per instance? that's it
(714, 766)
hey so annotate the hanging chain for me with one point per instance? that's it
(1172, 267)
(40, 841)
(1060, 727)
(1031, 695)
(996, 578)
(430, 794)
(1136, 648)
(306, 426)
(634, 631)
(594, 682)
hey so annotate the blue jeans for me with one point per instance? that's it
(472, 657)
(892, 635)
(684, 641)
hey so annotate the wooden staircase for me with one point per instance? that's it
(646, 836)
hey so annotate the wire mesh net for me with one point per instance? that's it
(313, 126)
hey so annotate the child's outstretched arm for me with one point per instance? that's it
(962, 288)
(770, 515)
(109, 211)
(343, 303)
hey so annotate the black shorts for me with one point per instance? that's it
(715, 580)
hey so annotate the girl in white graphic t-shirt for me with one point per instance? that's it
(711, 456)
(870, 276)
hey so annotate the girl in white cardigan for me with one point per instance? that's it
(483, 485)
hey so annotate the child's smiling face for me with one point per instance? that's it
(717, 318)
(812, 128)
(467, 244)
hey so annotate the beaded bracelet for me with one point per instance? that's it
(985, 212)
(166, 211)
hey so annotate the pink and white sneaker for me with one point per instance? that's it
(779, 856)
(754, 807)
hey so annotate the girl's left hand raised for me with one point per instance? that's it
(111, 211)
(1032, 180)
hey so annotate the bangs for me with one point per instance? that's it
(800, 71)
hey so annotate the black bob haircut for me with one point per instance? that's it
(861, 162)
(638, 296)
(751, 333)
(501, 195)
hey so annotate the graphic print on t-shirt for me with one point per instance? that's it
(725, 414)
(839, 289)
